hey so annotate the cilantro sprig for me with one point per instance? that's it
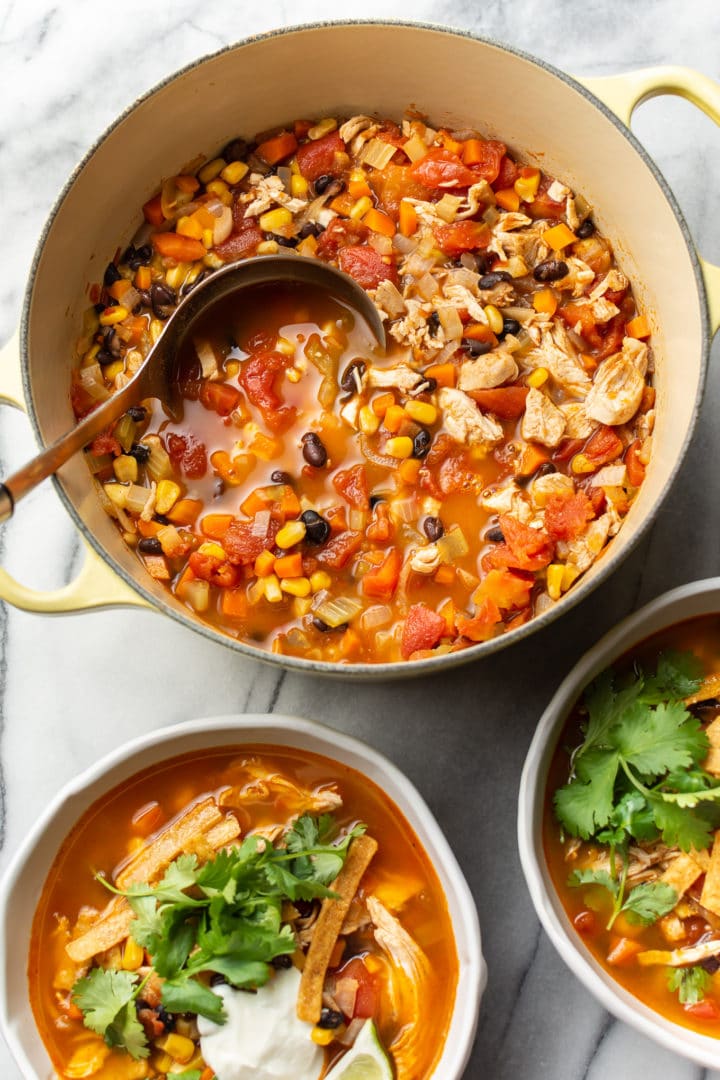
(224, 917)
(690, 983)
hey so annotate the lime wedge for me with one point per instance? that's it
(366, 1061)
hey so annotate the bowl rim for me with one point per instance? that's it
(701, 1049)
(395, 669)
(280, 730)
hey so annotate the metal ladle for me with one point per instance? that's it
(154, 378)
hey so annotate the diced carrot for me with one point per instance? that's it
(443, 374)
(134, 327)
(635, 467)
(409, 470)
(530, 460)
(143, 277)
(381, 404)
(480, 332)
(234, 604)
(509, 199)
(623, 951)
(255, 502)
(185, 511)
(381, 582)
(289, 502)
(408, 218)
(379, 222)
(394, 417)
(301, 128)
(187, 184)
(182, 248)
(152, 211)
(343, 203)
(559, 237)
(545, 301)
(350, 644)
(277, 148)
(638, 327)
(264, 563)
(472, 151)
(453, 145)
(358, 189)
(118, 289)
(148, 528)
(289, 566)
(445, 575)
(214, 526)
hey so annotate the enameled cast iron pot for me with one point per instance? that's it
(383, 68)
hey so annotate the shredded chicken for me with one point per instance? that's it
(619, 382)
(543, 422)
(557, 353)
(487, 371)
(464, 421)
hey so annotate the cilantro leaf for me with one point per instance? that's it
(107, 1001)
(656, 740)
(188, 995)
(680, 827)
(588, 876)
(649, 901)
(586, 803)
(678, 675)
(691, 984)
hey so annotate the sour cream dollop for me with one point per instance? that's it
(262, 1038)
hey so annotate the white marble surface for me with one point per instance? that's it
(65, 71)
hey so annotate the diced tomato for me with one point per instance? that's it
(462, 236)
(340, 233)
(381, 581)
(366, 266)
(481, 627)
(321, 157)
(567, 449)
(566, 516)
(484, 156)
(241, 243)
(105, 443)
(338, 551)
(152, 212)
(524, 548)
(704, 1010)
(506, 402)
(182, 248)
(367, 992)
(635, 467)
(259, 376)
(352, 484)
(603, 446)
(509, 589)
(612, 337)
(507, 175)
(580, 317)
(423, 629)
(543, 206)
(219, 397)
(187, 453)
(243, 545)
(393, 184)
(585, 922)
(211, 568)
(442, 169)
(381, 528)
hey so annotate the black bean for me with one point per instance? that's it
(111, 275)
(545, 469)
(140, 452)
(167, 1021)
(313, 450)
(111, 341)
(324, 629)
(330, 1019)
(550, 270)
(219, 488)
(282, 962)
(510, 326)
(163, 300)
(318, 529)
(278, 476)
(150, 545)
(347, 381)
(711, 964)
(304, 908)
(421, 443)
(282, 241)
(144, 301)
(188, 286)
(128, 254)
(475, 347)
(138, 414)
(105, 357)
(495, 536)
(235, 150)
(427, 386)
(375, 499)
(162, 519)
(586, 229)
(484, 261)
(136, 257)
(433, 322)
(99, 308)
(433, 528)
(311, 228)
(489, 281)
(323, 183)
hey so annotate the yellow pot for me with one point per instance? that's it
(575, 129)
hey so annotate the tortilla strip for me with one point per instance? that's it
(682, 873)
(711, 764)
(328, 926)
(709, 688)
(691, 954)
(170, 843)
(113, 925)
(710, 896)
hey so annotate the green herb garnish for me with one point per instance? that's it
(643, 905)
(224, 916)
(691, 984)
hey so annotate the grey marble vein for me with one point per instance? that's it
(65, 696)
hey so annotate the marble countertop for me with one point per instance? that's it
(65, 71)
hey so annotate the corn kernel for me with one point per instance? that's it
(494, 318)
(582, 464)
(285, 346)
(89, 357)
(179, 1047)
(125, 469)
(298, 186)
(275, 219)
(291, 534)
(323, 127)
(156, 328)
(234, 172)
(268, 247)
(175, 276)
(211, 170)
(117, 494)
(273, 592)
(213, 261)
(361, 208)
(297, 586)
(111, 371)
(208, 238)
(399, 447)
(554, 580)
(570, 575)
(320, 580)
(220, 188)
(368, 420)
(162, 1063)
(322, 1036)
(113, 315)
(422, 411)
(167, 494)
(527, 186)
(133, 955)
(188, 226)
(214, 550)
(539, 377)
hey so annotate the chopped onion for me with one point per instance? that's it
(158, 465)
(351, 1032)
(382, 244)
(448, 206)
(338, 610)
(445, 353)
(260, 523)
(93, 382)
(468, 278)
(377, 153)
(207, 358)
(392, 302)
(223, 226)
(346, 995)
(404, 509)
(285, 174)
(418, 264)
(521, 314)
(452, 545)
(377, 615)
(136, 498)
(130, 298)
(415, 147)
(357, 520)
(404, 244)
(428, 286)
(469, 261)
(450, 322)
(197, 594)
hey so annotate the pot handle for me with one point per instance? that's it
(623, 93)
(96, 585)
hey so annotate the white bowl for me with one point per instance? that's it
(25, 877)
(687, 602)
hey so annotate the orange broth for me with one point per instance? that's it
(589, 907)
(114, 826)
